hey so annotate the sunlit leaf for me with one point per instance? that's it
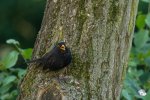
(10, 60)
(140, 21)
(26, 53)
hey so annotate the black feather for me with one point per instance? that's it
(56, 59)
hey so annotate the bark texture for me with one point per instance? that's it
(99, 34)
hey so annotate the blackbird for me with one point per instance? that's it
(58, 58)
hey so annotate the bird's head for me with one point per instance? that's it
(62, 46)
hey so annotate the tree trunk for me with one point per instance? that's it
(99, 34)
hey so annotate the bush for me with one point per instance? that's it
(11, 73)
(137, 81)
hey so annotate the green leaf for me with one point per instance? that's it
(21, 72)
(126, 94)
(3, 75)
(147, 20)
(26, 53)
(10, 60)
(5, 89)
(141, 38)
(132, 63)
(12, 41)
(2, 66)
(14, 92)
(5, 96)
(147, 97)
(133, 72)
(140, 21)
(8, 80)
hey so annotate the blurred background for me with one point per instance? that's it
(20, 21)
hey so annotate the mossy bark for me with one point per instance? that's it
(99, 34)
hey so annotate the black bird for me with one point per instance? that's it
(58, 58)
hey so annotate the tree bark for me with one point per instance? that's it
(99, 34)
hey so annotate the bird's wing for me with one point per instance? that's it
(50, 62)
(68, 58)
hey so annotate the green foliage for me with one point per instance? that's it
(140, 21)
(137, 81)
(26, 53)
(10, 60)
(147, 20)
(147, 1)
(10, 74)
(141, 37)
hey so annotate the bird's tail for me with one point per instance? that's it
(34, 60)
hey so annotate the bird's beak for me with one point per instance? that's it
(62, 47)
